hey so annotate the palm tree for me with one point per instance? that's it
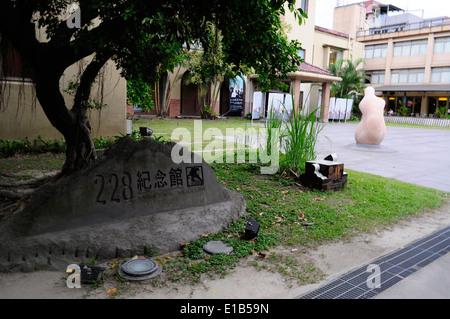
(353, 78)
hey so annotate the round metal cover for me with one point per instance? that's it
(216, 247)
(140, 269)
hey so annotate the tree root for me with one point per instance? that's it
(14, 194)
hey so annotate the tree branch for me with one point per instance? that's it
(87, 79)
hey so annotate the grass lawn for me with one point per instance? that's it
(22, 164)
(164, 127)
(196, 129)
(291, 216)
(445, 128)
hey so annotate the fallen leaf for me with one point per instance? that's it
(271, 250)
(206, 235)
(285, 192)
(207, 257)
(261, 255)
(308, 224)
(135, 257)
(184, 245)
(112, 291)
(113, 265)
(294, 249)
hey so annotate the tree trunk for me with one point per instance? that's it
(80, 145)
(80, 149)
(72, 124)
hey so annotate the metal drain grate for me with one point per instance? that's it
(393, 268)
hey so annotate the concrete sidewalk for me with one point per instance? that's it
(430, 282)
(415, 155)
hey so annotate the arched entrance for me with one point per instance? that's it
(189, 97)
(225, 97)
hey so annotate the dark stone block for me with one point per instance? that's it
(145, 131)
(324, 175)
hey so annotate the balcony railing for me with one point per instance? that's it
(405, 27)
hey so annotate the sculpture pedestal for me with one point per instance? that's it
(370, 148)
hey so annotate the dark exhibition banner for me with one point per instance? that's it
(236, 94)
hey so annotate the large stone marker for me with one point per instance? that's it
(132, 200)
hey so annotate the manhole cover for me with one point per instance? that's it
(140, 269)
(217, 247)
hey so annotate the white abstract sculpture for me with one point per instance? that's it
(372, 128)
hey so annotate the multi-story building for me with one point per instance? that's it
(407, 58)
(329, 47)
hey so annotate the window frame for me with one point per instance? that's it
(404, 76)
(380, 76)
(440, 71)
(369, 51)
(21, 71)
(444, 43)
(306, 4)
(406, 48)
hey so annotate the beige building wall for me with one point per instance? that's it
(304, 33)
(23, 117)
(350, 19)
(326, 41)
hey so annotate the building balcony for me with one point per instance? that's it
(402, 27)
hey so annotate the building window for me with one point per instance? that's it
(335, 55)
(442, 45)
(376, 77)
(410, 48)
(12, 66)
(440, 75)
(407, 76)
(304, 6)
(375, 51)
